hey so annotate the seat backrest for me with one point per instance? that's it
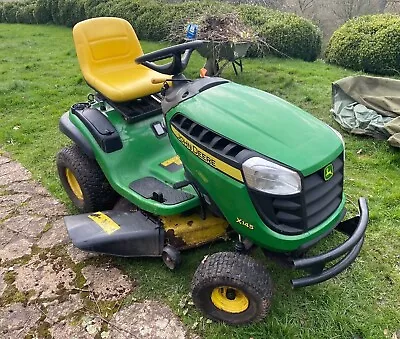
(103, 44)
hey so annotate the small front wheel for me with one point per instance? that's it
(232, 287)
(171, 257)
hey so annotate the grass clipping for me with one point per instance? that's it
(220, 28)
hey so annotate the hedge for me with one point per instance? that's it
(283, 34)
(286, 34)
(369, 43)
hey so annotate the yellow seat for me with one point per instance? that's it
(107, 49)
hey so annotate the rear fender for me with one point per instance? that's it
(70, 130)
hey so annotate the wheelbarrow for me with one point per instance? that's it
(220, 54)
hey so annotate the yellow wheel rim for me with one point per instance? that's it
(73, 183)
(229, 299)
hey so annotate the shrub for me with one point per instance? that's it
(369, 43)
(25, 13)
(284, 34)
(152, 22)
(10, 12)
(97, 8)
(42, 12)
(71, 12)
(2, 19)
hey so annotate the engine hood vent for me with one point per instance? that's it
(217, 145)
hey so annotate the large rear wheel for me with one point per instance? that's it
(232, 287)
(84, 181)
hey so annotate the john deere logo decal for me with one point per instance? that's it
(328, 172)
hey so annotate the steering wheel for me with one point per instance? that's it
(180, 53)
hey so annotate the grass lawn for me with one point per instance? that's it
(40, 79)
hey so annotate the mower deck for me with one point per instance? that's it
(116, 233)
(135, 234)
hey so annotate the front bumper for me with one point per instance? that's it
(355, 229)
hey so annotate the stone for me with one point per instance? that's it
(56, 235)
(10, 203)
(29, 187)
(3, 284)
(5, 212)
(26, 225)
(61, 310)
(134, 320)
(91, 324)
(11, 166)
(65, 330)
(44, 206)
(45, 278)
(16, 249)
(78, 255)
(6, 236)
(107, 283)
(16, 320)
(13, 200)
(13, 172)
(4, 160)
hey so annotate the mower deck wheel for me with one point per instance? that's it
(171, 257)
(232, 287)
(83, 181)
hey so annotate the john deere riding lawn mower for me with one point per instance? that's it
(161, 163)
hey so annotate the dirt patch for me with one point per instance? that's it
(150, 320)
(107, 283)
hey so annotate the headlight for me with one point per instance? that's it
(266, 176)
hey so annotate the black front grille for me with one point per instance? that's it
(217, 145)
(285, 214)
(299, 213)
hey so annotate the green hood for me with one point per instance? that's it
(266, 124)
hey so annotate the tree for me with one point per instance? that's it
(305, 5)
(347, 9)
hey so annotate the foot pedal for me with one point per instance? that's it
(150, 187)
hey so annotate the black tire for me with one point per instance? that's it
(96, 193)
(238, 274)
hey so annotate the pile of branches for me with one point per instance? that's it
(224, 27)
(219, 28)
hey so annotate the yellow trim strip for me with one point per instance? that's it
(105, 222)
(208, 158)
(175, 160)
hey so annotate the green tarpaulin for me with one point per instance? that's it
(368, 105)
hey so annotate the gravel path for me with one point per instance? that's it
(49, 289)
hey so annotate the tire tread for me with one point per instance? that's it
(97, 192)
